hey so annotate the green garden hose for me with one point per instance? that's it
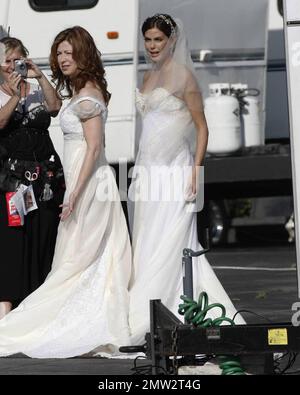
(195, 312)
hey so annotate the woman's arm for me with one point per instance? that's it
(193, 100)
(7, 110)
(92, 129)
(53, 102)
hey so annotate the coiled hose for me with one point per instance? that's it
(195, 312)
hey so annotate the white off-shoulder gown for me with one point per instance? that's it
(162, 229)
(83, 304)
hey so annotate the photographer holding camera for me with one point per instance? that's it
(29, 168)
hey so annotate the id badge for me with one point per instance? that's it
(29, 200)
(14, 218)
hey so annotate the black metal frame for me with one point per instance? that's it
(260, 171)
(239, 340)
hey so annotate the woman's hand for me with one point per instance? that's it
(68, 208)
(191, 189)
(33, 70)
(13, 82)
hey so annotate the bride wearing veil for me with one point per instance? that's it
(163, 194)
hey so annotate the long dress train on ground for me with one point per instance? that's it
(83, 304)
(162, 229)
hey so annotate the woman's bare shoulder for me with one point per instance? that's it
(90, 89)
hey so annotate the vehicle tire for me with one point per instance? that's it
(218, 223)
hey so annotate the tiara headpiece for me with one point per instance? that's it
(167, 21)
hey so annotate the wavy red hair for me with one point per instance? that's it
(88, 59)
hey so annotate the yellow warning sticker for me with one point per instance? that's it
(277, 337)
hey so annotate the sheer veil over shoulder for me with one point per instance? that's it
(162, 227)
(83, 305)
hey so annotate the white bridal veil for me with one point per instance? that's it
(175, 70)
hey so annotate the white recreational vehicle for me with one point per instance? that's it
(232, 41)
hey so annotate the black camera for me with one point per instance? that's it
(21, 67)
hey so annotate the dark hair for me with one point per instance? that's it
(12, 43)
(87, 57)
(163, 22)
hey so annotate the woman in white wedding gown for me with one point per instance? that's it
(83, 304)
(164, 217)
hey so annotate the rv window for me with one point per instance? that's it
(280, 7)
(60, 5)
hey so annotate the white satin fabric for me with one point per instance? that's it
(83, 305)
(162, 229)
